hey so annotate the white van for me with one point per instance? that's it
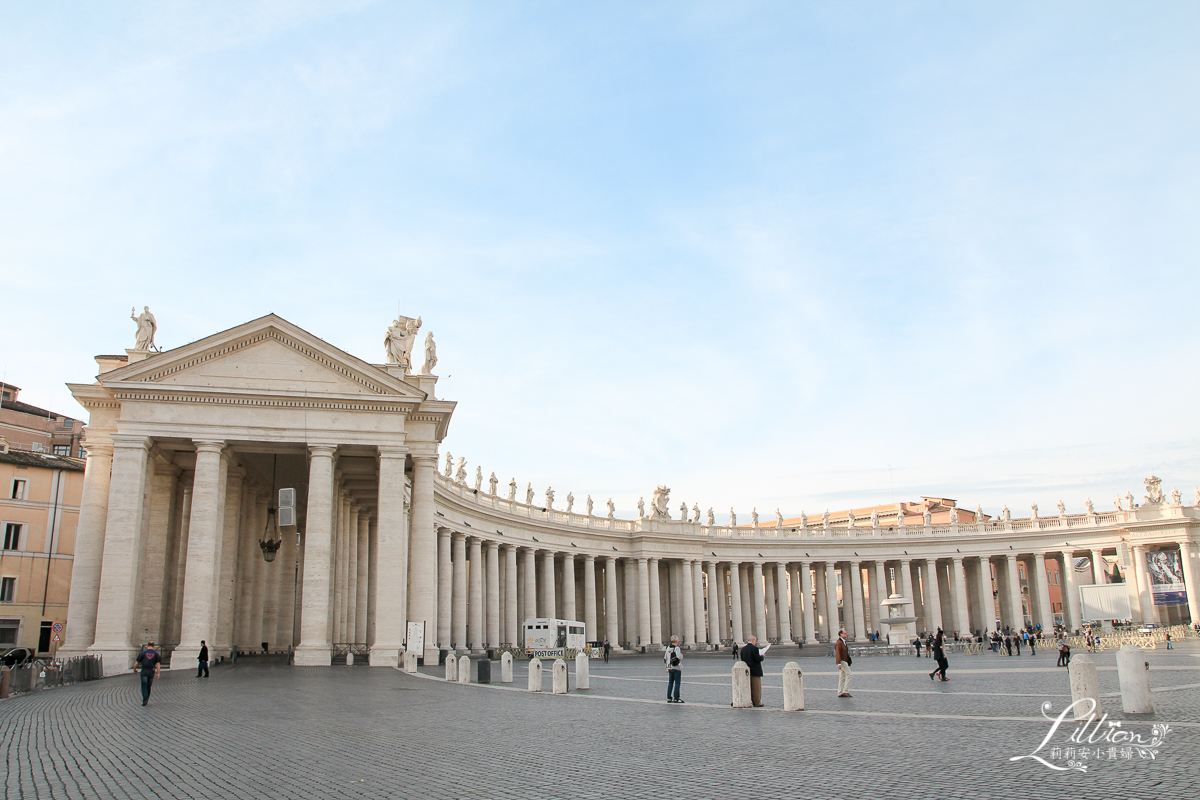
(544, 634)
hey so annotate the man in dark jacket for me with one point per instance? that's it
(754, 658)
(202, 661)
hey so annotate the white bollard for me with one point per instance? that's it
(464, 669)
(1085, 685)
(1134, 673)
(535, 674)
(410, 662)
(582, 680)
(793, 687)
(349, 659)
(559, 677)
(741, 685)
(451, 667)
(506, 667)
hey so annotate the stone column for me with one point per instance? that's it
(1191, 567)
(698, 602)
(158, 532)
(987, 599)
(1098, 574)
(962, 616)
(549, 587)
(422, 560)
(856, 595)
(611, 620)
(904, 586)
(655, 602)
(745, 578)
(735, 602)
(643, 584)
(185, 516)
(770, 629)
(673, 615)
(821, 605)
(199, 611)
(390, 564)
(89, 548)
(687, 601)
(256, 570)
(1014, 594)
(512, 636)
(314, 648)
(831, 599)
(1045, 612)
(248, 550)
(360, 561)
(796, 615)
(589, 598)
(531, 610)
(458, 596)
(1071, 608)
(806, 603)
(492, 639)
(879, 593)
(568, 587)
(783, 595)
(933, 608)
(1145, 598)
(445, 588)
(721, 598)
(475, 631)
(373, 577)
(348, 535)
(270, 603)
(286, 600)
(119, 572)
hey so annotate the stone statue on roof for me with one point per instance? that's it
(588, 505)
(612, 509)
(696, 513)
(492, 484)
(712, 521)
(512, 490)
(549, 497)
(754, 517)
(399, 339)
(1088, 505)
(683, 512)
(778, 519)
(460, 474)
(478, 478)
(732, 518)
(570, 502)
(449, 465)
(430, 355)
(147, 326)
(529, 494)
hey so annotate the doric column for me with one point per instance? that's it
(744, 581)
(831, 599)
(1016, 609)
(390, 565)
(770, 628)
(185, 518)
(806, 603)
(611, 620)
(987, 598)
(796, 612)
(360, 561)
(531, 610)
(735, 602)
(199, 611)
(709, 615)
(345, 567)
(879, 593)
(492, 638)
(1043, 590)
(904, 585)
(314, 648)
(158, 533)
(673, 613)
(933, 590)
(475, 631)
(286, 599)
(458, 596)
(373, 577)
(655, 602)
(445, 588)
(1072, 617)
(687, 601)
(592, 633)
(962, 617)
(255, 520)
(119, 571)
(248, 550)
(698, 602)
(643, 582)
(720, 596)
(1191, 568)
(821, 605)
(422, 576)
(272, 575)
(89, 548)
(512, 625)
(630, 624)
(782, 596)
(856, 596)
(549, 586)
(568, 587)
(1098, 574)
(1145, 598)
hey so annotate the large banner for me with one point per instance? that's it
(1166, 578)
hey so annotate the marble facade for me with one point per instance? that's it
(187, 447)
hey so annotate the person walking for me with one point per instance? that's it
(917, 644)
(841, 657)
(1169, 647)
(1062, 652)
(1008, 643)
(753, 658)
(202, 661)
(150, 663)
(939, 655)
(1032, 646)
(673, 658)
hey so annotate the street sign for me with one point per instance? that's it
(56, 639)
(58, 627)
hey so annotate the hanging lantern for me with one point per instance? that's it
(271, 538)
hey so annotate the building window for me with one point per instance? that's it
(1021, 572)
(66, 422)
(8, 590)
(44, 636)
(82, 453)
(62, 449)
(12, 535)
(9, 628)
(18, 489)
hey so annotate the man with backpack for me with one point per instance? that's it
(150, 663)
(673, 658)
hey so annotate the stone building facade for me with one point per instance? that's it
(188, 447)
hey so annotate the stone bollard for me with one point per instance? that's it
(464, 669)
(1134, 673)
(535, 674)
(582, 679)
(451, 668)
(741, 685)
(793, 687)
(1085, 686)
(349, 659)
(506, 667)
(559, 677)
(410, 662)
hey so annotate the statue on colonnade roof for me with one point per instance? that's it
(658, 503)
(399, 339)
(1154, 493)
(147, 326)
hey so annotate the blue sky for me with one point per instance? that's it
(775, 255)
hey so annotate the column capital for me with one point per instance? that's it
(131, 441)
(388, 451)
(567, 556)
(425, 460)
(320, 450)
(492, 544)
(588, 557)
(99, 448)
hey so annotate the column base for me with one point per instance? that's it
(431, 656)
(384, 655)
(117, 661)
(313, 657)
(185, 657)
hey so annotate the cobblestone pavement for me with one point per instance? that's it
(261, 728)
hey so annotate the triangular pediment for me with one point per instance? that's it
(267, 356)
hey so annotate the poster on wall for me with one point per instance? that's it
(1166, 578)
(416, 638)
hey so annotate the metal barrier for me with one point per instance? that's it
(42, 674)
